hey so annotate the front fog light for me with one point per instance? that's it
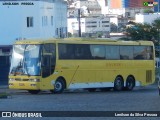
(10, 84)
(11, 79)
(35, 80)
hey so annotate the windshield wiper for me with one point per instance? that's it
(25, 66)
(24, 61)
(19, 66)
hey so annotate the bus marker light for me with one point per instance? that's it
(21, 84)
(33, 84)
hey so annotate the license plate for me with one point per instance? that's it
(21, 84)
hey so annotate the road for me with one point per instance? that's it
(140, 99)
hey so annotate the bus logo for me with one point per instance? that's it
(6, 114)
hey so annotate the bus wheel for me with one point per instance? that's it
(59, 86)
(34, 91)
(130, 83)
(118, 84)
(91, 89)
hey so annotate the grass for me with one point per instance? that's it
(124, 38)
(157, 71)
(3, 95)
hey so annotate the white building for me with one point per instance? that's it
(104, 6)
(90, 25)
(146, 18)
(32, 19)
(88, 7)
(126, 12)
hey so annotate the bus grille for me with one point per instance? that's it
(19, 79)
(148, 76)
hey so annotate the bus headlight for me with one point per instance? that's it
(159, 84)
(10, 84)
(11, 79)
(35, 80)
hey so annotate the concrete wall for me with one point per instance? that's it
(13, 19)
(5, 52)
(89, 25)
(146, 18)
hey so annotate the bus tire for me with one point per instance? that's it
(130, 83)
(34, 91)
(59, 86)
(118, 84)
(91, 89)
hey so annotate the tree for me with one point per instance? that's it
(114, 27)
(69, 34)
(140, 31)
(148, 11)
(150, 32)
(156, 25)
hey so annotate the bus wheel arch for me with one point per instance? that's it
(130, 83)
(118, 83)
(59, 86)
(64, 80)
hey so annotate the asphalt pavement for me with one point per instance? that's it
(140, 99)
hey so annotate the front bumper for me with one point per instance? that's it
(159, 84)
(24, 85)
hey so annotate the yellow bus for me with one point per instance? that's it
(75, 63)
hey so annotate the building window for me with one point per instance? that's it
(91, 22)
(52, 20)
(106, 2)
(90, 26)
(44, 21)
(105, 25)
(29, 21)
(105, 21)
(57, 31)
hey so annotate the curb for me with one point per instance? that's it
(4, 87)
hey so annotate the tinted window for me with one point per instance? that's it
(126, 52)
(98, 51)
(48, 59)
(109, 52)
(74, 51)
(112, 52)
(82, 51)
(66, 51)
(143, 52)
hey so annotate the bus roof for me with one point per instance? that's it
(83, 41)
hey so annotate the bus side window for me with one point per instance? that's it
(143, 52)
(48, 60)
(126, 52)
(98, 51)
(112, 52)
(82, 51)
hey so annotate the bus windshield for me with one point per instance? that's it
(25, 60)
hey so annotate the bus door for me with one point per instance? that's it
(48, 60)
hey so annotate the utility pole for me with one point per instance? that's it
(158, 6)
(159, 52)
(79, 22)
